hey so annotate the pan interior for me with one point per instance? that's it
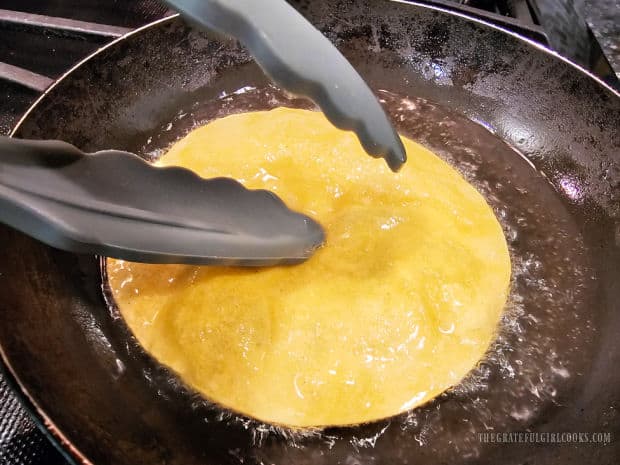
(528, 343)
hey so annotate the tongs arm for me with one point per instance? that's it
(303, 61)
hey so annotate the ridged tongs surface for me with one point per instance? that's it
(114, 203)
(303, 61)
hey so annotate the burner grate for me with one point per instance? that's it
(21, 443)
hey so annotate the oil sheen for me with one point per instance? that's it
(401, 302)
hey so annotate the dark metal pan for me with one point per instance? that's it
(554, 366)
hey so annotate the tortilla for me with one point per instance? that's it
(401, 302)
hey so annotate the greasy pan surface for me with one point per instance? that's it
(115, 405)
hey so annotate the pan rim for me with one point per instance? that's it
(530, 42)
(45, 424)
(38, 415)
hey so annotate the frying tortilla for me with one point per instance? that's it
(401, 302)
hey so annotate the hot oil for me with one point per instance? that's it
(546, 336)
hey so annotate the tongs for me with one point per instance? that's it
(113, 203)
(297, 57)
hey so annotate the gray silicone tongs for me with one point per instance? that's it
(303, 61)
(115, 204)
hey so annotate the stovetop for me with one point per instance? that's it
(41, 39)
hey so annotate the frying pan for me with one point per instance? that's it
(554, 366)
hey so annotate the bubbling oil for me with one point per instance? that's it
(546, 335)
